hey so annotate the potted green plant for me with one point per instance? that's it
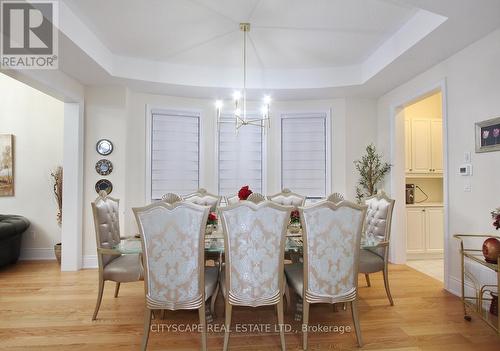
(372, 170)
(57, 188)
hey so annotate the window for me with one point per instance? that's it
(240, 157)
(174, 152)
(305, 154)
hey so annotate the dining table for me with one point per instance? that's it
(214, 245)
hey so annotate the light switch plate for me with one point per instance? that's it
(467, 188)
(467, 157)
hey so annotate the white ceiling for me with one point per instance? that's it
(298, 49)
(284, 33)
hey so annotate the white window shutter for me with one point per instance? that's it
(240, 157)
(175, 153)
(304, 154)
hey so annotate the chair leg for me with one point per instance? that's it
(203, 323)
(229, 310)
(281, 324)
(288, 297)
(147, 327)
(305, 323)
(367, 277)
(213, 298)
(386, 284)
(99, 298)
(117, 289)
(357, 327)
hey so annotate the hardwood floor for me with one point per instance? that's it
(42, 308)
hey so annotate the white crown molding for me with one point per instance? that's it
(417, 27)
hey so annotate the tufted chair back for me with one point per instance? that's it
(256, 198)
(288, 198)
(107, 224)
(332, 235)
(379, 216)
(173, 254)
(254, 239)
(203, 198)
(171, 198)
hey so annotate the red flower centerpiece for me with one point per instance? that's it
(294, 226)
(244, 192)
(295, 217)
(212, 218)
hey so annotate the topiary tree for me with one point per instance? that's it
(372, 171)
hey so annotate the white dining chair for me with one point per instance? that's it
(254, 245)
(256, 198)
(171, 198)
(204, 198)
(288, 198)
(232, 199)
(112, 267)
(329, 274)
(173, 245)
(377, 228)
(335, 198)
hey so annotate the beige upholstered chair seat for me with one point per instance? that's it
(295, 277)
(125, 268)
(370, 262)
(211, 275)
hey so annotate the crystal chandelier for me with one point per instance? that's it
(240, 98)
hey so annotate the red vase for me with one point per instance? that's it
(491, 250)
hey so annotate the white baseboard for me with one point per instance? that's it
(29, 254)
(90, 261)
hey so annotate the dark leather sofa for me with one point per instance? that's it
(12, 228)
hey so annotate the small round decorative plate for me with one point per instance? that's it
(104, 147)
(104, 167)
(103, 184)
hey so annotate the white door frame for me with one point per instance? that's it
(397, 183)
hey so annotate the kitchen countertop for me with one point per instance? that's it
(426, 204)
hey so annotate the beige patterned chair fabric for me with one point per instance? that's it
(254, 239)
(171, 198)
(288, 198)
(256, 198)
(203, 198)
(335, 198)
(173, 241)
(377, 227)
(232, 199)
(329, 274)
(112, 267)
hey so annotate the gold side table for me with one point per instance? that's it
(475, 303)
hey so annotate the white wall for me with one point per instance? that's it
(121, 115)
(473, 90)
(37, 122)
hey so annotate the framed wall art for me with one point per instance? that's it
(6, 165)
(488, 135)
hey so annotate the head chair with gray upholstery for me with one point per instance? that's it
(254, 246)
(377, 229)
(112, 265)
(204, 198)
(173, 245)
(288, 198)
(329, 273)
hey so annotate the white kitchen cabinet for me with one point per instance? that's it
(423, 146)
(424, 231)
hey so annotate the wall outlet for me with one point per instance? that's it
(467, 188)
